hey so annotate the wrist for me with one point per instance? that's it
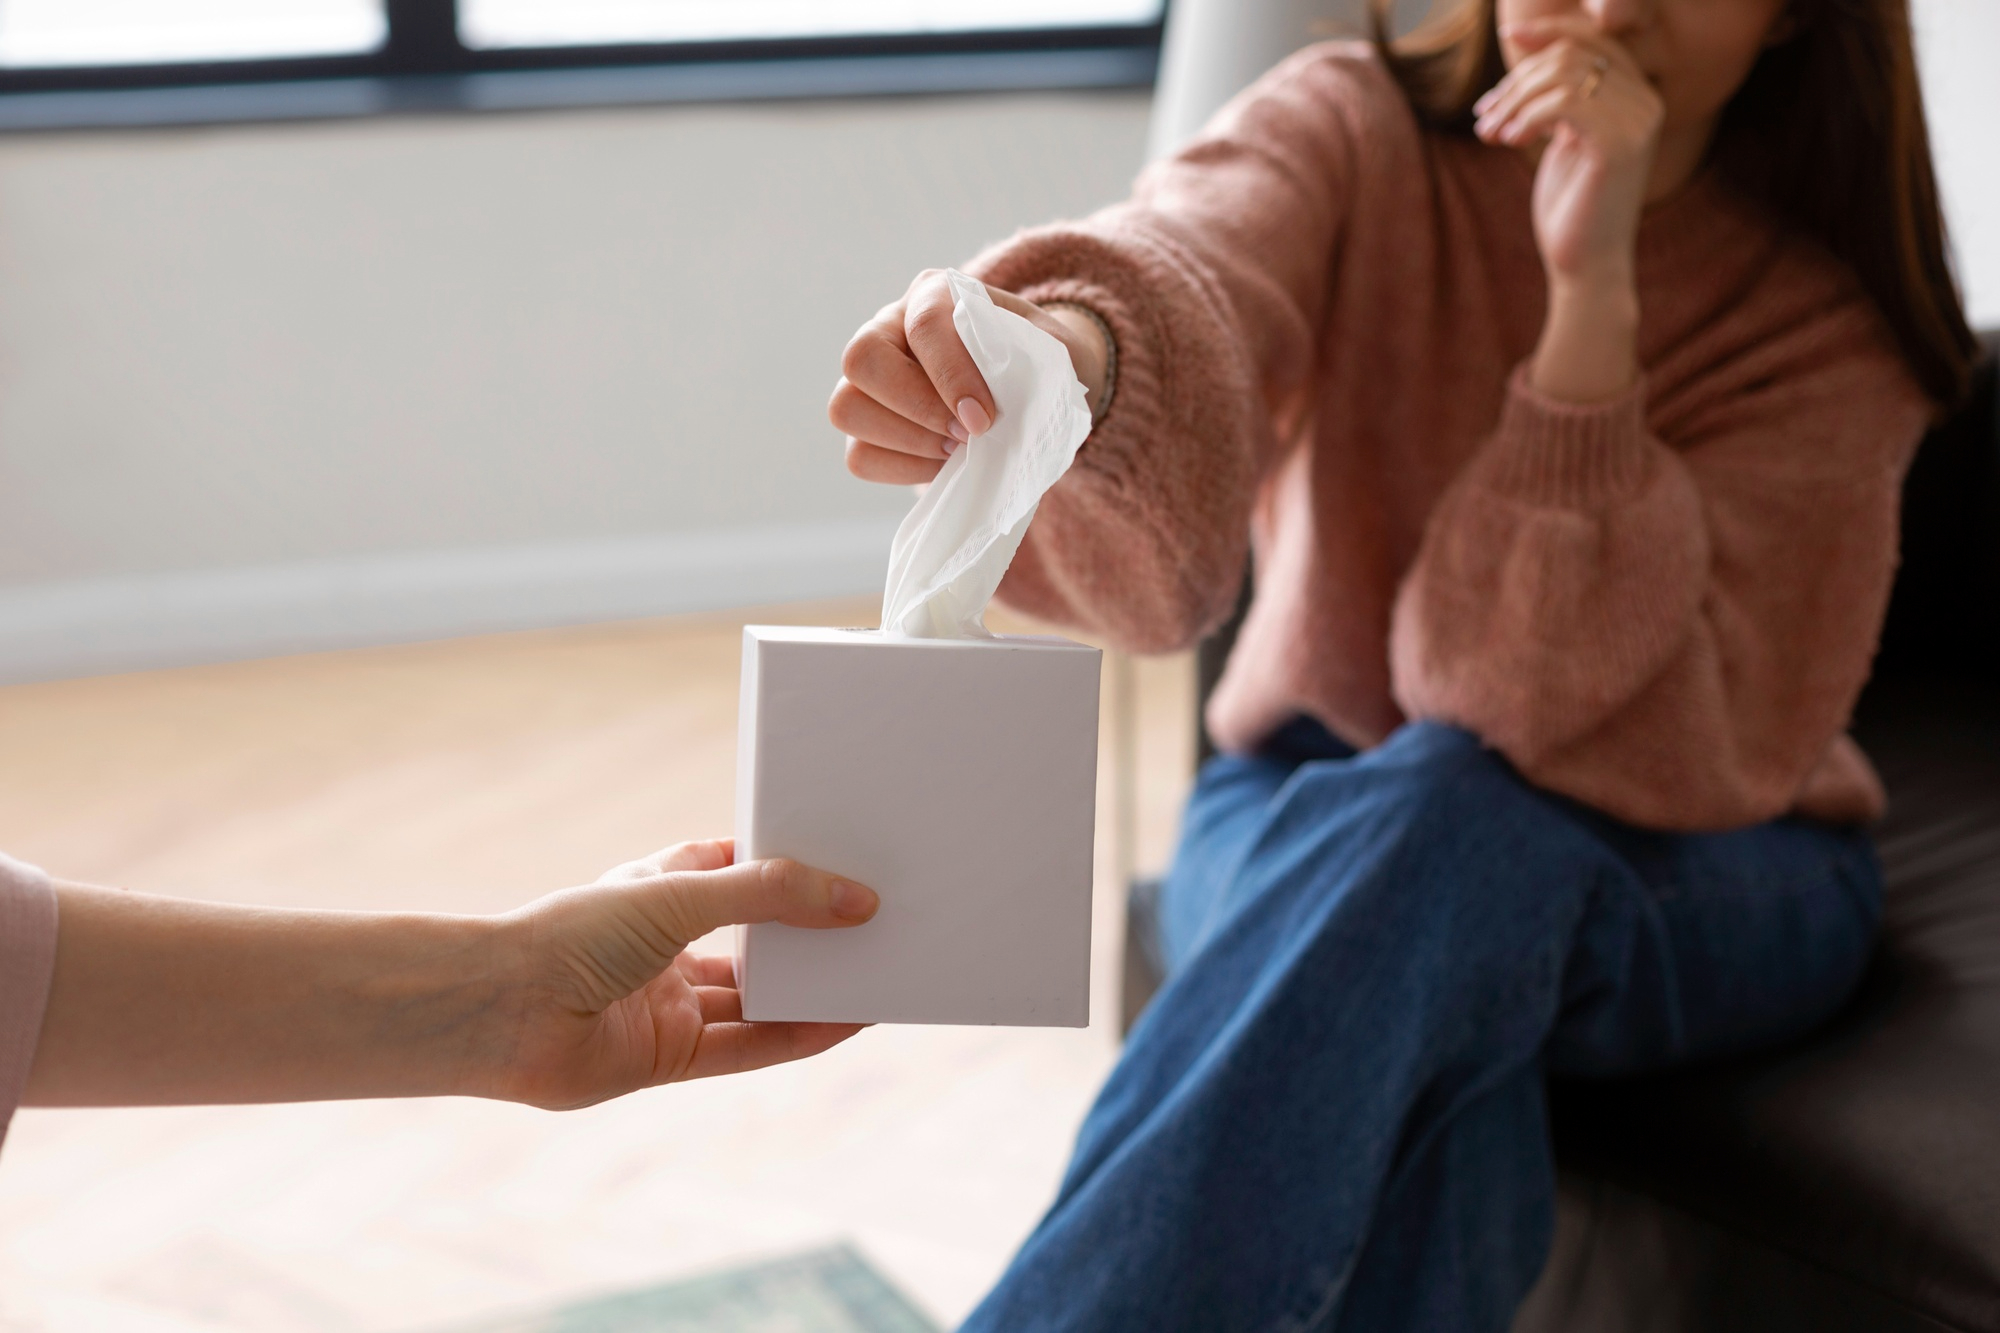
(459, 1012)
(1610, 287)
(1091, 353)
(1598, 275)
(408, 1005)
(1588, 351)
(394, 1004)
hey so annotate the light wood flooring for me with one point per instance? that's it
(470, 776)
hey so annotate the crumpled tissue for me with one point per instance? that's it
(955, 545)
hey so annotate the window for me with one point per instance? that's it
(501, 24)
(121, 62)
(72, 33)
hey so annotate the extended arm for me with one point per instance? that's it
(580, 996)
(1212, 279)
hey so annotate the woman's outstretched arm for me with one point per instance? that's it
(578, 997)
(1212, 280)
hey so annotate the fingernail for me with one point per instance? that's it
(958, 432)
(851, 902)
(951, 446)
(974, 416)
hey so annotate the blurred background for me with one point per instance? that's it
(402, 406)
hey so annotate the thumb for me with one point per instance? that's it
(689, 904)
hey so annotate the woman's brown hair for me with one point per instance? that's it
(1827, 132)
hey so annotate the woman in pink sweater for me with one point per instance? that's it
(1557, 372)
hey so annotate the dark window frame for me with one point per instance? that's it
(423, 66)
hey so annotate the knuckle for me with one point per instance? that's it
(860, 351)
(779, 875)
(928, 320)
(679, 917)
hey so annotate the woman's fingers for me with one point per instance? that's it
(933, 339)
(1616, 120)
(1567, 65)
(707, 969)
(878, 362)
(910, 392)
(727, 1044)
(732, 1048)
(1532, 77)
(707, 854)
(1538, 120)
(687, 906)
(719, 1004)
(890, 467)
(853, 412)
(1555, 48)
(609, 940)
(1574, 82)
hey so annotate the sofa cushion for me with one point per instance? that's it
(1851, 1181)
(1863, 1164)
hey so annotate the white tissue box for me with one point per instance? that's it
(955, 777)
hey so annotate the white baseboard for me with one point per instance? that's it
(97, 626)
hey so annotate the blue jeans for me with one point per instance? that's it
(1333, 1116)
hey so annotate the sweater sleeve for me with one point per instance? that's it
(1673, 630)
(27, 962)
(1213, 280)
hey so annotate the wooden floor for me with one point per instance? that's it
(471, 776)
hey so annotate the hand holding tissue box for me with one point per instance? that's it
(951, 770)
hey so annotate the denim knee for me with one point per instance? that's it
(1432, 809)
(1451, 815)
(1438, 777)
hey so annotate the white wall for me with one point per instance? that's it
(281, 387)
(1958, 47)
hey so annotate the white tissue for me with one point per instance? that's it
(955, 545)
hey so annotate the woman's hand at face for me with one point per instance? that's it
(1579, 97)
(910, 393)
(603, 1000)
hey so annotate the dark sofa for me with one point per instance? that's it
(1850, 1182)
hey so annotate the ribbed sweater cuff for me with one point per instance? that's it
(1136, 373)
(1569, 455)
(27, 962)
(1076, 268)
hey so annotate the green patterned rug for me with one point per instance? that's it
(825, 1291)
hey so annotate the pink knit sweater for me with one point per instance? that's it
(1664, 606)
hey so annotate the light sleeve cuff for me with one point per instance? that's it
(27, 962)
